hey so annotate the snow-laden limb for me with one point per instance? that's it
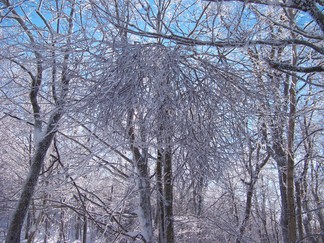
(308, 6)
(238, 43)
(296, 4)
(288, 67)
(227, 43)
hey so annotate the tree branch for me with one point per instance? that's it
(308, 6)
(288, 67)
(287, 4)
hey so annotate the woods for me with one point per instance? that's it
(161, 121)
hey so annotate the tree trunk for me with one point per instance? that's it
(144, 211)
(16, 223)
(28, 224)
(42, 143)
(319, 202)
(292, 231)
(280, 158)
(291, 201)
(303, 186)
(233, 208)
(283, 197)
(160, 199)
(46, 229)
(168, 195)
(77, 232)
(299, 210)
(254, 175)
(85, 230)
(248, 206)
(308, 216)
(197, 195)
(62, 228)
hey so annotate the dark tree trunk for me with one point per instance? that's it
(28, 224)
(160, 199)
(319, 203)
(17, 221)
(77, 228)
(248, 206)
(62, 228)
(85, 230)
(168, 195)
(42, 143)
(283, 197)
(254, 175)
(292, 229)
(299, 210)
(280, 158)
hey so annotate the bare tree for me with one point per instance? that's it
(44, 126)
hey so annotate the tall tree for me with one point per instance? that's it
(33, 40)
